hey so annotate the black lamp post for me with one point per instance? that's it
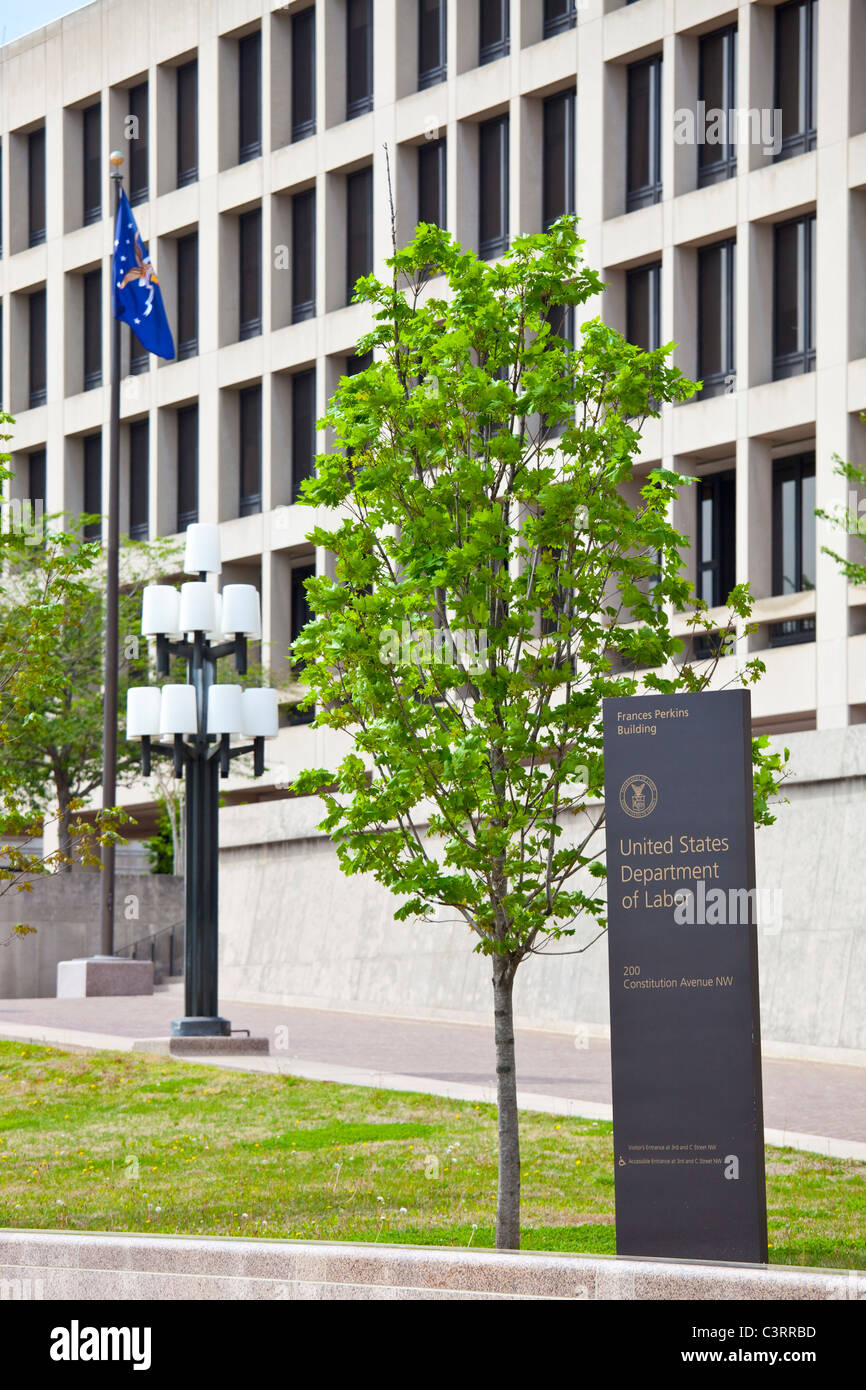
(200, 718)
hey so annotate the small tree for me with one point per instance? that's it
(44, 576)
(55, 759)
(500, 569)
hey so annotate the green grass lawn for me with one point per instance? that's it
(126, 1142)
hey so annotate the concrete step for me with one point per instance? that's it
(169, 984)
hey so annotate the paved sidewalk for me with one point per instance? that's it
(814, 1105)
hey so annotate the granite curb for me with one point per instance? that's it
(91, 1266)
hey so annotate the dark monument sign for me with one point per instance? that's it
(685, 1034)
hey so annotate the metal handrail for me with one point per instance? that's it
(150, 941)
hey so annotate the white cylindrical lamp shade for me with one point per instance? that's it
(202, 548)
(197, 608)
(143, 707)
(261, 717)
(159, 610)
(225, 709)
(179, 711)
(240, 610)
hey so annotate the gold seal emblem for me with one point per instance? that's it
(638, 795)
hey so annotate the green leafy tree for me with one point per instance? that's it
(160, 847)
(44, 574)
(54, 761)
(848, 520)
(486, 503)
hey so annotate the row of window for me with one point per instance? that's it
(794, 550)
(795, 96)
(793, 506)
(300, 464)
(558, 198)
(136, 125)
(796, 57)
(793, 306)
(793, 326)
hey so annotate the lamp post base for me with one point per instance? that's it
(200, 1028)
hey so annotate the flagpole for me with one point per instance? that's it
(109, 725)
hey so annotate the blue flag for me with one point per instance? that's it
(135, 289)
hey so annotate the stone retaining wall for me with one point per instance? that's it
(295, 930)
(64, 909)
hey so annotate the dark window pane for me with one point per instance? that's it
(301, 610)
(92, 329)
(250, 240)
(138, 480)
(796, 75)
(38, 381)
(559, 172)
(644, 176)
(794, 546)
(302, 613)
(359, 57)
(36, 480)
(793, 298)
(711, 299)
(789, 271)
(304, 255)
(493, 190)
(812, 74)
(355, 365)
(432, 168)
(811, 281)
(187, 123)
(92, 163)
(808, 552)
(187, 295)
(712, 87)
(559, 15)
(187, 466)
(303, 429)
(93, 485)
(359, 229)
(304, 74)
(36, 186)
(716, 347)
(561, 320)
(643, 306)
(432, 52)
(716, 540)
(138, 175)
(788, 517)
(712, 312)
(639, 83)
(717, 89)
(789, 35)
(494, 26)
(251, 450)
(250, 97)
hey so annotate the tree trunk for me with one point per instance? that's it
(508, 1190)
(64, 820)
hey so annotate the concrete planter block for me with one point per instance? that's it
(98, 976)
